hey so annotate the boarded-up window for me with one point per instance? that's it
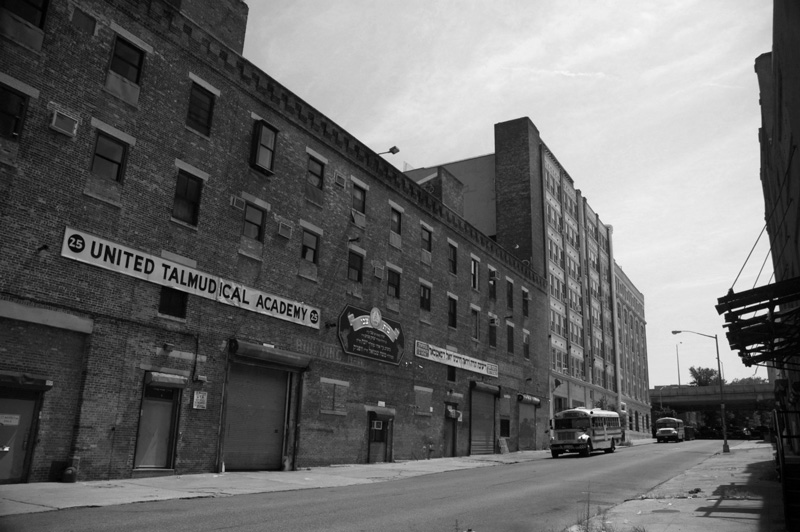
(422, 400)
(333, 396)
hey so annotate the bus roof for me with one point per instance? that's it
(582, 411)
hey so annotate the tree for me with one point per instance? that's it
(704, 376)
(750, 380)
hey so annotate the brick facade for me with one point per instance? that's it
(108, 362)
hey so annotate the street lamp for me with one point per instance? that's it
(678, 358)
(725, 448)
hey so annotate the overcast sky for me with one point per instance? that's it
(651, 106)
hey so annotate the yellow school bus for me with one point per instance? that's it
(583, 430)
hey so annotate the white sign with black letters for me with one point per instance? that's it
(90, 249)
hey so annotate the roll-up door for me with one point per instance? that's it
(528, 405)
(482, 418)
(255, 418)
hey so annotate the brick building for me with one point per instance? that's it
(763, 324)
(524, 199)
(203, 272)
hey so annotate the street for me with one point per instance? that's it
(544, 495)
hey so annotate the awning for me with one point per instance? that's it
(528, 399)
(485, 388)
(26, 381)
(770, 332)
(286, 360)
(165, 380)
(380, 412)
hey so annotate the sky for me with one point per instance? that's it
(651, 106)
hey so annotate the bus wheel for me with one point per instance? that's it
(612, 448)
(554, 453)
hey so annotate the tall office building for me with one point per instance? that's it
(525, 199)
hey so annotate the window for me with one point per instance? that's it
(201, 109)
(526, 344)
(510, 338)
(476, 323)
(29, 10)
(109, 157)
(355, 267)
(452, 258)
(393, 285)
(310, 249)
(451, 374)
(127, 60)
(426, 238)
(509, 294)
(83, 21)
(425, 297)
(525, 300)
(474, 273)
(556, 322)
(492, 284)
(186, 206)
(263, 150)
(315, 172)
(396, 222)
(505, 428)
(253, 223)
(559, 360)
(452, 309)
(492, 331)
(12, 112)
(172, 302)
(359, 199)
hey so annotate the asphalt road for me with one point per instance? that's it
(544, 495)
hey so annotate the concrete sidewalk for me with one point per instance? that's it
(731, 492)
(736, 491)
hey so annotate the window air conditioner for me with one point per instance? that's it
(284, 230)
(237, 202)
(64, 124)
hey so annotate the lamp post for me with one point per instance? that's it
(725, 448)
(678, 358)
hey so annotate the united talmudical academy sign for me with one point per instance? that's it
(90, 249)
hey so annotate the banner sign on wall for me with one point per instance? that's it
(108, 255)
(451, 358)
(368, 334)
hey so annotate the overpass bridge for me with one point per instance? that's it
(695, 398)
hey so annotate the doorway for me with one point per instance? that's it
(155, 443)
(379, 438)
(18, 412)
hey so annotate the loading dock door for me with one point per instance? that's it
(255, 418)
(481, 439)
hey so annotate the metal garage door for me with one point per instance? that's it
(481, 439)
(255, 418)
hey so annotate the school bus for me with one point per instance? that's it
(584, 430)
(670, 428)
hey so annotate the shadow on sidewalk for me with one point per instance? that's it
(754, 494)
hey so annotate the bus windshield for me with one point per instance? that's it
(573, 423)
(669, 422)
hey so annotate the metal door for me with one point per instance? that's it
(255, 418)
(17, 414)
